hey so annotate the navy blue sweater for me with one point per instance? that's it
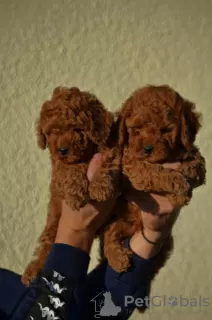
(63, 290)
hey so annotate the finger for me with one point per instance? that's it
(174, 165)
(143, 200)
(165, 206)
(94, 165)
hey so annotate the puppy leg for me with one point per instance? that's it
(76, 193)
(41, 253)
(101, 187)
(117, 255)
(105, 183)
(179, 201)
(46, 240)
(194, 169)
(73, 182)
(155, 178)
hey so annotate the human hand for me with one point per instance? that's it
(78, 228)
(158, 217)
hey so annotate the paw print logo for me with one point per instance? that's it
(172, 301)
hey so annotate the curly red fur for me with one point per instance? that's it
(155, 125)
(74, 125)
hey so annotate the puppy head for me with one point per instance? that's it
(73, 124)
(157, 124)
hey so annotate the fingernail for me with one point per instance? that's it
(97, 157)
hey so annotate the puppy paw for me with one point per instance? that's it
(179, 184)
(30, 274)
(76, 194)
(178, 201)
(120, 262)
(101, 188)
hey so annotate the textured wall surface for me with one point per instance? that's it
(109, 47)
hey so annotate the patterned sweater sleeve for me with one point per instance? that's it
(51, 295)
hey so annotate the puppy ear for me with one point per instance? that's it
(64, 92)
(190, 123)
(40, 136)
(101, 122)
(122, 130)
(123, 114)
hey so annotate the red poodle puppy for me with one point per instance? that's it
(155, 125)
(74, 125)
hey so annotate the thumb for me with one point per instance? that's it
(174, 166)
(94, 165)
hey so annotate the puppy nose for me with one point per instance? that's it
(63, 151)
(148, 148)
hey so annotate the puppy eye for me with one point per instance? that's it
(77, 130)
(165, 130)
(63, 151)
(136, 132)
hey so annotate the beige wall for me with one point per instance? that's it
(109, 47)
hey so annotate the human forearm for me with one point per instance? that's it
(157, 228)
(144, 249)
(79, 239)
(58, 279)
(125, 287)
(76, 228)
